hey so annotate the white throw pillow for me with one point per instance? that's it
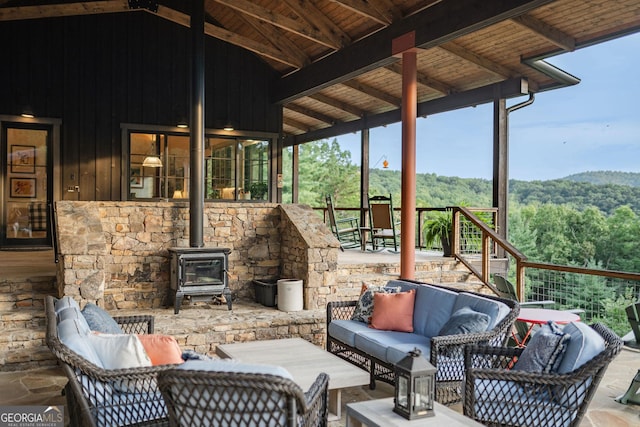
(119, 351)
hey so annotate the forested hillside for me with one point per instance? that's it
(326, 169)
(607, 177)
(585, 220)
(439, 191)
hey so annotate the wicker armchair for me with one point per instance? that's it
(495, 395)
(101, 397)
(224, 399)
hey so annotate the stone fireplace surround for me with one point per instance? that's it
(115, 254)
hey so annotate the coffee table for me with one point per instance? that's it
(379, 413)
(304, 361)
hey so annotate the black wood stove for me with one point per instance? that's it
(200, 274)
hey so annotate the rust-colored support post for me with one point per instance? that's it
(405, 45)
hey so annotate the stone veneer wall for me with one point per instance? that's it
(115, 254)
(309, 252)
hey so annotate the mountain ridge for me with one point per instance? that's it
(631, 179)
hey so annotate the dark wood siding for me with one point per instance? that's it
(97, 72)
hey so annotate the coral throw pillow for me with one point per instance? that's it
(393, 312)
(364, 305)
(161, 349)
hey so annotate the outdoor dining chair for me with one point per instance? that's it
(346, 230)
(383, 225)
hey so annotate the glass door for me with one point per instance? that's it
(26, 185)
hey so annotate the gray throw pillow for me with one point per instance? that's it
(465, 321)
(544, 351)
(100, 321)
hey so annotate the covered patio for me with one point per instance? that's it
(283, 73)
(42, 386)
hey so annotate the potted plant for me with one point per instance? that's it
(258, 190)
(438, 228)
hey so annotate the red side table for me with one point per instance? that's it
(540, 316)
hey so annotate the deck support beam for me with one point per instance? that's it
(405, 45)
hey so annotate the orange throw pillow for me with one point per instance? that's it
(393, 312)
(161, 349)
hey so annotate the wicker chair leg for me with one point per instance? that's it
(632, 395)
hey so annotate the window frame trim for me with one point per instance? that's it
(128, 128)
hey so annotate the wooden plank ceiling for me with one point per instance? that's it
(334, 56)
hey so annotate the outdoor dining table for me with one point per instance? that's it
(540, 316)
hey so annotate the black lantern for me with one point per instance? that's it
(415, 384)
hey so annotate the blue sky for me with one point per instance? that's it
(594, 125)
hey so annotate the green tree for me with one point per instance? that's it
(326, 169)
(619, 248)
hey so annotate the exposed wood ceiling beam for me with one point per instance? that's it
(311, 113)
(424, 80)
(547, 32)
(59, 10)
(295, 124)
(438, 24)
(276, 38)
(421, 6)
(230, 37)
(336, 103)
(307, 11)
(373, 92)
(281, 21)
(365, 8)
(387, 8)
(480, 61)
(508, 89)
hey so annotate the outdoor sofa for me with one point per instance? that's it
(97, 396)
(116, 367)
(442, 322)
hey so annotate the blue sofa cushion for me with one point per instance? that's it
(517, 405)
(231, 365)
(495, 309)
(584, 344)
(100, 321)
(132, 408)
(65, 302)
(433, 306)
(378, 343)
(544, 351)
(346, 330)
(465, 321)
(72, 334)
(397, 352)
(75, 314)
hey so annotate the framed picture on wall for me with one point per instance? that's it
(23, 159)
(135, 180)
(23, 187)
